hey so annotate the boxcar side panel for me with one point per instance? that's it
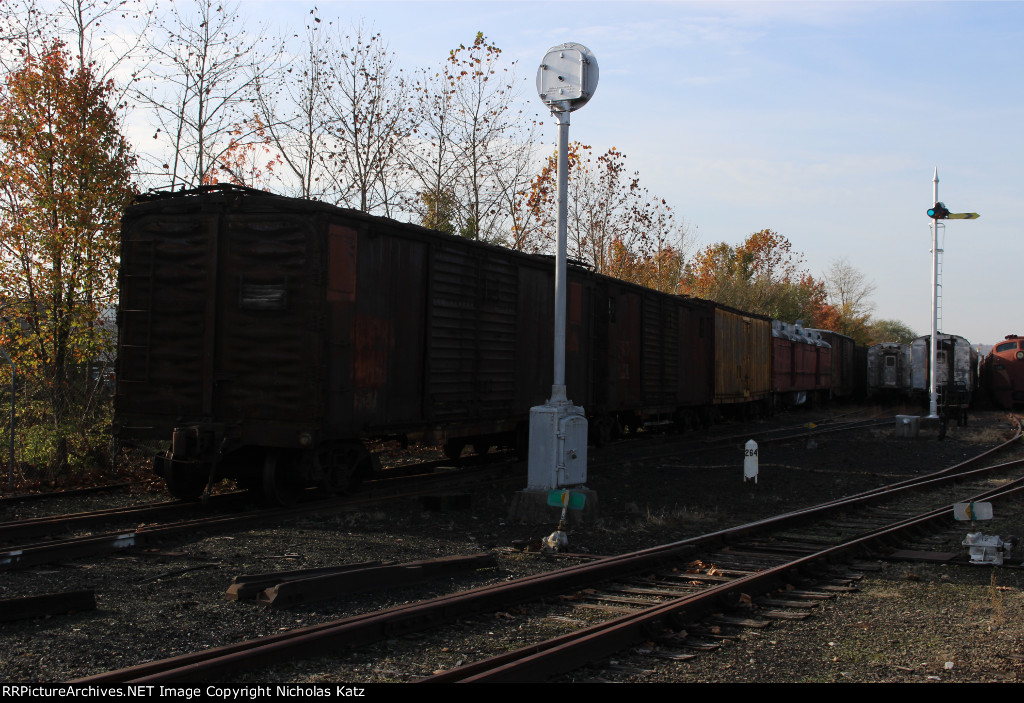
(696, 360)
(742, 356)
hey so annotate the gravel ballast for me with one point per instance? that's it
(910, 622)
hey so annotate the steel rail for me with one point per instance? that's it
(21, 556)
(362, 629)
(574, 650)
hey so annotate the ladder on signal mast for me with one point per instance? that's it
(940, 233)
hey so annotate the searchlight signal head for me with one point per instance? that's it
(567, 77)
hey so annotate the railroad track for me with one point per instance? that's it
(147, 525)
(750, 561)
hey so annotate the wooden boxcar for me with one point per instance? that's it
(267, 337)
(743, 359)
(844, 363)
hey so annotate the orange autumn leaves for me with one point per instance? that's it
(66, 174)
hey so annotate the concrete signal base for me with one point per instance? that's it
(530, 506)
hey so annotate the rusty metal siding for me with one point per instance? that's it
(472, 332)
(696, 352)
(534, 343)
(378, 335)
(782, 364)
(625, 347)
(742, 356)
(842, 363)
(659, 362)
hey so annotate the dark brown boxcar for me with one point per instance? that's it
(660, 356)
(268, 336)
(266, 332)
(844, 363)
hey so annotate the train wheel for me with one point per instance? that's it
(522, 440)
(184, 484)
(453, 448)
(281, 484)
(601, 430)
(345, 467)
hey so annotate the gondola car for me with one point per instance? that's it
(845, 366)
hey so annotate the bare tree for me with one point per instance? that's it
(486, 120)
(524, 224)
(430, 154)
(205, 73)
(370, 119)
(107, 34)
(466, 144)
(294, 109)
(849, 291)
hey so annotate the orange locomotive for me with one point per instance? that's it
(1004, 372)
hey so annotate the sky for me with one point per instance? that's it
(824, 121)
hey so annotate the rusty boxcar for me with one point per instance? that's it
(801, 365)
(845, 366)
(743, 359)
(267, 337)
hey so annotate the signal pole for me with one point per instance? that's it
(937, 212)
(933, 400)
(566, 80)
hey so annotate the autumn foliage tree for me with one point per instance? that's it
(65, 178)
(764, 275)
(613, 223)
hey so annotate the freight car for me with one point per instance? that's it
(801, 365)
(1003, 372)
(268, 337)
(845, 366)
(742, 362)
